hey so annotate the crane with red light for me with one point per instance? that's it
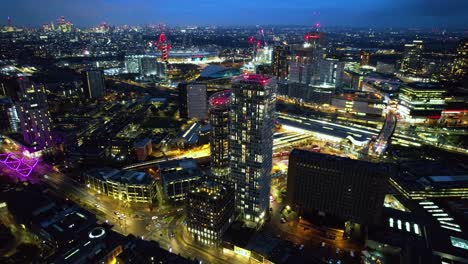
(257, 41)
(313, 36)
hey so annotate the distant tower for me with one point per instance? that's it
(252, 118)
(93, 84)
(162, 45)
(280, 61)
(412, 57)
(219, 104)
(365, 57)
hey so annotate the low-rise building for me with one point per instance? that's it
(178, 177)
(129, 186)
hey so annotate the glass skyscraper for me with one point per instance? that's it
(252, 118)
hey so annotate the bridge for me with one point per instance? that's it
(378, 145)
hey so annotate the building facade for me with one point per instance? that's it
(219, 104)
(280, 61)
(130, 186)
(252, 117)
(348, 189)
(412, 61)
(35, 121)
(197, 101)
(210, 211)
(421, 101)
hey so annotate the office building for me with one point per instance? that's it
(421, 101)
(219, 104)
(412, 58)
(178, 177)
(280, 61)
(9, 120)
(35, 121)
(210, 211)
(193, 100)
(252, 117)
(351, 190)
(130, 186)
(93, 84)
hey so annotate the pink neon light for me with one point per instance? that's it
(18, 163)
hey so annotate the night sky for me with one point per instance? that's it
(379, 13)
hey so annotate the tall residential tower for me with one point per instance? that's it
(252, 118)
(219, 140)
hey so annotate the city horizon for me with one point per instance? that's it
(364, 13)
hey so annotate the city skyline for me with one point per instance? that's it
(362, 13)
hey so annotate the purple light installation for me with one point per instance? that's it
(18, 163)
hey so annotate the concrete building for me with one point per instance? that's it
(130, 186)
(197, 103)
(210, 211)
(219, 138)
(178, 177)
(348, 189)
(252, 117)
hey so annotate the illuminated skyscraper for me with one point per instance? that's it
(93, 83)
(252, 118)
(219, 140)
(412, 57)
(280, 61)
(34, 118)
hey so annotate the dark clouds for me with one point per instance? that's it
(422, 13)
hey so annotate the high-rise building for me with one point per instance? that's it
(421, 101)
(9, 121)
(460, 64)
(210, 211)
(219, 104)
(93, 83)
(182, 98)
(280, 61)
(35, 122)
(349, 189)
(331, 71)
(412, 57)
(252, 118)
(196, 100)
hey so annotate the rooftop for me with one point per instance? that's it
(220, 99)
